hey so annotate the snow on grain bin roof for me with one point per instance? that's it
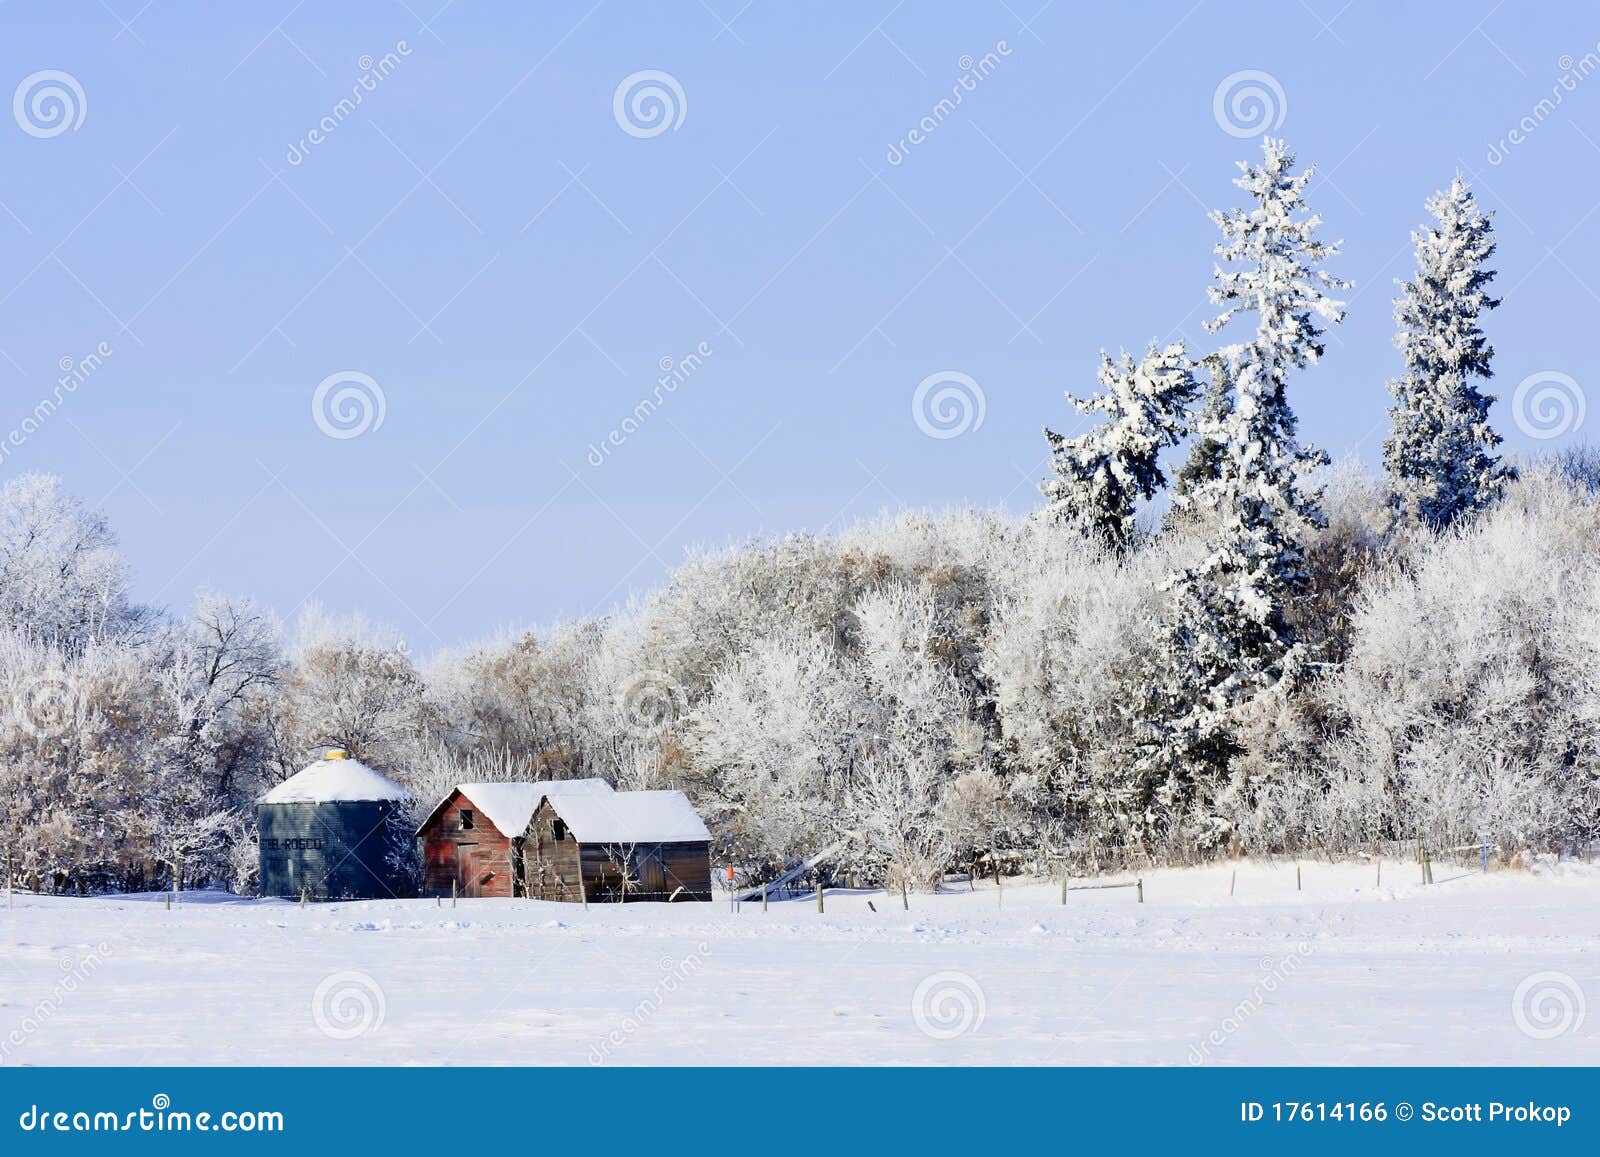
(631, 817)
(509, 806)
(335, 778)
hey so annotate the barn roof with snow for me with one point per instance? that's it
(336, 778)
(631, 817)
(509, 806)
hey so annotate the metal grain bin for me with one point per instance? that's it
(335, 831)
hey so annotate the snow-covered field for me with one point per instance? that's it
(1473, 970)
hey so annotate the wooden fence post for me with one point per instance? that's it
(452, 893)
(1232, 880)
(1063, 890)
(1140, 886)
(819, 895)
(905, 900)
(763, 897)
(1297, 886)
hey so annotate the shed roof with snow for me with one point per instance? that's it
(631, 817)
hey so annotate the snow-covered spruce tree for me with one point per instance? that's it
(1231, 635)
(1102, 475)
(1204, 463)
(1440, 453)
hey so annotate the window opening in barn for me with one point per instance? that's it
(559, 830)
(466, 820)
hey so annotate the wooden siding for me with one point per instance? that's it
(479, 860)
(549, 864)
(654, 871)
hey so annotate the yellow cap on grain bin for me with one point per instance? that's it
(336, 753)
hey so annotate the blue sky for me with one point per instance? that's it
(485, 240)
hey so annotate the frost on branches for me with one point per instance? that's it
(1232, 638)
(1101, 476)
(1440, 454)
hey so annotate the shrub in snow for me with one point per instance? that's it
(1471, 680)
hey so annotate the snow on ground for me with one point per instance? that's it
(1476, 969)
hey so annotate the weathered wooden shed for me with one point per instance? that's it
(334, 832)
(472, 841)
(630, 845)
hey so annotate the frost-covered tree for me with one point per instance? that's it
(521, 694)
(1102, 476)
(917, 740)
(1230, 618)
(62, 579)
(353, 686)
(1468, 705)
(1440, 453)
(220, 668)
(773, 743)
(1203, 466)
(1066, 653)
